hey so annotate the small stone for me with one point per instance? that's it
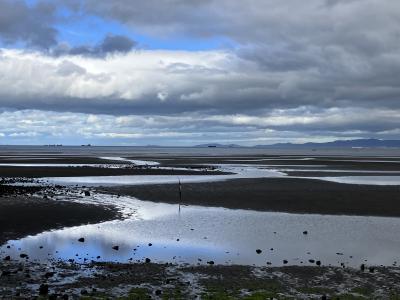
(23, 255)
(211, 262)
(8, 257)
(81, 240)
(305, 232)
(362, 267)
(371, 269)
(87, 193)
(150, 244)
(158, 292)
(148, 260)
(43, 289)
(285, 261)
(318, 262)
(258, 251)
(116, 248)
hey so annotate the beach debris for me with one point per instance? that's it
(43, 289)
(258, 251)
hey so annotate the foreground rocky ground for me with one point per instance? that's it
(26, 280)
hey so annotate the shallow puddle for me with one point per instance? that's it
(196, 234)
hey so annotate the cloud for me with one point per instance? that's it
(299, 125)
(31, 25)
(111, 44)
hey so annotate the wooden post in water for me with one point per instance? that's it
(180, 195)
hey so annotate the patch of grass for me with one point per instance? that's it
(365, 291)
(137, 294)
(314, 290)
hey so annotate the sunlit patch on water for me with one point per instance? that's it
(196, 234)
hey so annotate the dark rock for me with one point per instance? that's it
(362, 267)
(23, 255)
(148, 260)
(211, 262)
(150, 244)
(311, 261)
(82, 240)
(116, 248)
(49, 274)
(318, 262)
(87, 193)
(158, 292)
(285, 261)
(7, 257)
(43, 289)
(305, 232)
(371, 269)
(323, 297)
(84, 292)
(5, 273)
(258, 251)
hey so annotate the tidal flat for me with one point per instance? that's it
(137, 223)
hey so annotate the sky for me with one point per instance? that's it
(180, 72)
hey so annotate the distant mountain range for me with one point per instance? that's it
(358, 143)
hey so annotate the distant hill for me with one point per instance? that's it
(359, 143)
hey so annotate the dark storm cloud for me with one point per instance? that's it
(30, 25)
(109, 45)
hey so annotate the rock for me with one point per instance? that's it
(362, 267)
(150, 244)
(23, 255)
(81, 240)
(158, 292)
(285, 261)
(5, 273)
(318, 262)
(84, 292)
(8, 257)
(258, 251)
(371, 269)
(323, 297)
(43, 289)
(148, 260)
(87, 193)
(49, 274)
(305, 232)
(116, 248)
(211, 262)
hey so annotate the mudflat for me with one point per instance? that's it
(27, 210)
(276, 194)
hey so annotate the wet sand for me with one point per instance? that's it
(22, 213)
(276, 194)
(38, 172)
